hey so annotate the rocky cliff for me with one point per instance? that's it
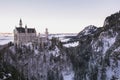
(97, 57)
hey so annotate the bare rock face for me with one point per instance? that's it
(97, 56)
(113, 20)
(89, 30)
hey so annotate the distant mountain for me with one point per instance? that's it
(89, 30)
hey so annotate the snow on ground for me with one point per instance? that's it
(108, 42)
(36, 51)
(28, 44)
(88, 30)
(5, 39)
(62, 35)
(106, 23)
(117, 70)
(68, 76)
(109, 73)
(64, 39)
(6, 76)
(55, 52)
(117, 49)
(113, 70)
(73, 44)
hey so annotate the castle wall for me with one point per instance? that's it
(30, 37)
(23, 38)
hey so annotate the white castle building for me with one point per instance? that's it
(24, 35)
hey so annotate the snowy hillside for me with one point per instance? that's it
(98, 55)
(34, 62)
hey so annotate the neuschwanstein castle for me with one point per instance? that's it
(24, 35)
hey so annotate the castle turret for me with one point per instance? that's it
(25, 28)
(46, 33)
(26, 34)
(20, 23)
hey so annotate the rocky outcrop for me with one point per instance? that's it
(97, 56)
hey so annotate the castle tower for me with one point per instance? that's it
(26, 34)
(20, 23)
(25, 28)
(46, 33)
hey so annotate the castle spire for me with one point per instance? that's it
(46, 32)
(26, 26)
(20, 23)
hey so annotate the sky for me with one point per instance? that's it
(59, 16)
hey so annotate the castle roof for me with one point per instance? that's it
(31, 30)
(22, 30)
